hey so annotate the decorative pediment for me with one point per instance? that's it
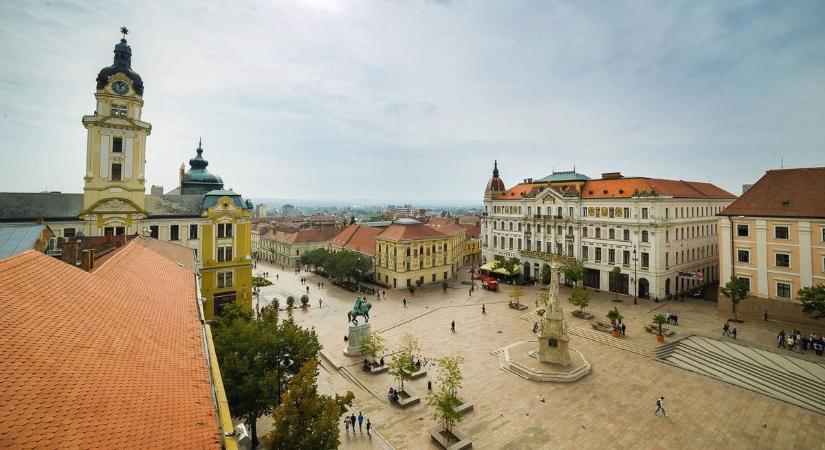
(117, 206)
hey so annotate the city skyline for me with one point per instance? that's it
(367, 95)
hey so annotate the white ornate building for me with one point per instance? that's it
(660, 232)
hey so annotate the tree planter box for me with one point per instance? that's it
(583, 315)
(464, 407)
(518, 306)
(453, 440)
(375, 370)
(418, 373)
(601, 326)
(654, 329)
(406, 399)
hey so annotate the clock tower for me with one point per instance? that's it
(114, 185)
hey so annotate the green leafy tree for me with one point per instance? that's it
(373, 344)
(306, 419)
(736, 290)
(516, 295)
(401, 366)
(573, 270)
(315, 258)
(580, 297)
(660, 319)
(260, 281)
(419, 282)
(546, 274)
(614, 317)
(544, 298)
(290, 301)
(304, 300)
(445, 401)
(813, 300)
(411, 288)
(252, 355)
(615, 280)
(508, 265)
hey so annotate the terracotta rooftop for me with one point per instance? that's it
(519, 191)
(357, 238)
(302, 236)
(112, 358)
(630, 186)
(473, 230)
(436, 228)
(783, 193)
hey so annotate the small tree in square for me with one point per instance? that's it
(516, 295)
(813, 300)
(736, 290)
(580, 297)
(445, 400)
(373, 344)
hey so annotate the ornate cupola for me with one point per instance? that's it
(122, 64)
(495, 184)
(197, 180)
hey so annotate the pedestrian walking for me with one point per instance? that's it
(320, 302)
(360, 420)
(734, 333)
(471, 292)
(452, 326)
(346, 424)
(766, 315)
(369, 426)
(352, 422)
(726, 329)
(623, 328)
(660, 406)
(405, 302)
(535, 327)
(483, 308)
(780, 339)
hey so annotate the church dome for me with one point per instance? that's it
(197, 172)
(495, 184)
(122, 64)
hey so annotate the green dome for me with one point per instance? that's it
(198, 180)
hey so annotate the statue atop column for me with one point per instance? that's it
(553, 338)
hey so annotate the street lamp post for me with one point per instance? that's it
(635, 278)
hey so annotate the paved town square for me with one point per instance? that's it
(611, 407)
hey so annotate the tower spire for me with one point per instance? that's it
(495, 168)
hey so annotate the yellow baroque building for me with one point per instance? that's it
(408, 251)
(199, 214)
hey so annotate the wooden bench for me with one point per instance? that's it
(654, 329)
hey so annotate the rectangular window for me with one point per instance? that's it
(742, 230)
(626, 235)
(644, 213)
(154, 231)
(611, 212)
(645, 260)
(611, 234)
(598, 233)
(445, 275)
(783, 260)
(193, 231)
(626, 213)
(598, 253)
(117, 145)
(626, 258)
(120, 231)
(224, 230)
(783, 290)
(174, 233)
(225, 280)
(611, 255)
(225, 253)
(115, 172)
(781, 232)
(746, 281)
(570, 211)
(743, 256)
(68, 232)
(584, 232)
(585, 252)
(119, 110)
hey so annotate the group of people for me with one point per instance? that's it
(672, 319)
(728, 331)
(393, 395)
(349, 422)
(796, 341)
(367, 365)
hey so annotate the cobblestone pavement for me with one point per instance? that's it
(612, 407)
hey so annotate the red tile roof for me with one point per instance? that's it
(783, 193)
(436, 228)
(302, 236)
(112, 358)
(519, 191)
(628, 187)
(473, 230)
(357, 238)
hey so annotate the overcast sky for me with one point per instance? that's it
(413, 100)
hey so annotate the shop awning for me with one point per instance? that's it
(489, 268)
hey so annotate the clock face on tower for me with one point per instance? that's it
(120, 87)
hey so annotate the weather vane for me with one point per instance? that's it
(125, 31)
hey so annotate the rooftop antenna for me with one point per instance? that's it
(782, 162)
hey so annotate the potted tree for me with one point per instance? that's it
(581, 298)
(411, 288)
(515, 296)
(615, 316)
(276, 303)
(290, 303)
(304, 301)
(448, 408)
(660, 319)
(444, 286)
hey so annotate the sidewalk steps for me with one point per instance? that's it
(757, 370)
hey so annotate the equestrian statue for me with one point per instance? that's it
(361, 308)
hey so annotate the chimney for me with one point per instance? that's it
(611, 175)
(88, 262)
(70, 252)
(529, 180)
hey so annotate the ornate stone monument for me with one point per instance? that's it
(357, 332)
(553, 338)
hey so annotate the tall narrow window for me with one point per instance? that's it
(154, 231)
(645, 260)
(644, 236)
(119, 110)
(193, 231)
(644, 213)
(224, 230)
(117, 145)
(174, 232)
(116, 172)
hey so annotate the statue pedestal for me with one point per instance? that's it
(354, 336)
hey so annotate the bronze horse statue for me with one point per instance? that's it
(361, 308)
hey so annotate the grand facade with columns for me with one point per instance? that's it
(661, 234)
(200, 214)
